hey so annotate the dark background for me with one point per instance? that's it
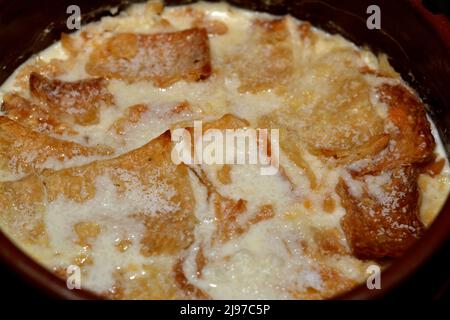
(432, 281)
(438, 6)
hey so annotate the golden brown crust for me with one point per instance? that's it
(384, 228)
(53, 68)
(35, 116)
(23, 150)
(384, 224)
(22, 209)
(163, 58)
(76, 102)
(142, 169)
(411, 141)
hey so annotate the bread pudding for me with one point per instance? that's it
(89, 127)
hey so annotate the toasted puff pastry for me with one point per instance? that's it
(22, 202)
(387, 223)
(386, 227)
(163, 58)
(78, 102)
(24, 151)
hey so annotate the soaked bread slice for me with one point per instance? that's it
(387, 222)
(22, 209)
(383, 221)
(267, 62)
(35, 116)
(163, 58)
(411, 141)
(24, 151)
(75, 102)
(160, 194)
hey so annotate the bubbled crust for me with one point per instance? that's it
(34, 115)
(150, 164)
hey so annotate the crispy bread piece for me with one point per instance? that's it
(22, 207)
(23, 150)
(267, 62)
(168, 216)
(384, 220)
(411, 141)
(76, 102)
(35, 116)
(163, 58)
(329, 104)
(370, 148)
(338, 120)
(146, 169)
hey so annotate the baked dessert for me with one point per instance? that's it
(88, 176)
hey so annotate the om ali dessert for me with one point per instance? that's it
(88, 177)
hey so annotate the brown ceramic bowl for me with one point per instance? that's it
(417, 42)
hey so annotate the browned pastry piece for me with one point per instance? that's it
(35, 116)
(163, 58)
(21, 214)
(76, 102)
(23, 150)
(410, 139)
(169, 220)
(384, 224)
